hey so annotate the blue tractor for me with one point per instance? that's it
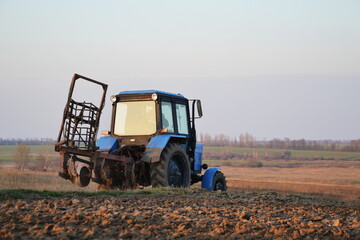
(151, 142)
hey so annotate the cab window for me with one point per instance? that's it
(167, 117)
(135, 118)
(182, 119)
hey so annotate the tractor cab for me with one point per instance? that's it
(140, 115)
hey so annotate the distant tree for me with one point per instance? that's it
(43, 158)
(41, 162)
(287, 143)
(353, 146)
(21, 155)
(242, 140)
(234, 142)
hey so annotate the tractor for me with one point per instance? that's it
(151, 142)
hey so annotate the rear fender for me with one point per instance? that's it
(207, 180)
(156, 146)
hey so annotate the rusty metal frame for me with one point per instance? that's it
(76, 113)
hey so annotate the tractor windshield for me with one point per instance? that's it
(135, 118)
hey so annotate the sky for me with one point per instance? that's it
(273, 69)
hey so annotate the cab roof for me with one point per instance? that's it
(141, 92)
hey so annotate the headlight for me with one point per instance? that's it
(113, 98)
(154, 96)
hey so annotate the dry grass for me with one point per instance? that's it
(12, 179)
(336, 192)
(336, 183)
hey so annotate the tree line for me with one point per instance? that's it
(29, 141)
(247, 140)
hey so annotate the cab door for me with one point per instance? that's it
(182, 118)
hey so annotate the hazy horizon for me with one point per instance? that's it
(272, 69)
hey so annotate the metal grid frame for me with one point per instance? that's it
(81, 120)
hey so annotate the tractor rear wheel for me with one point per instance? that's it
(219, 182)
(172, 170)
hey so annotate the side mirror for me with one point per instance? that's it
(199, 108)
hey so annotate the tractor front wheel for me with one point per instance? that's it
(173, 169)
(219, 182)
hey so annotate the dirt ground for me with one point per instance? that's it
(190, 214)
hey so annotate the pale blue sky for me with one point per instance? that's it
(270, 68)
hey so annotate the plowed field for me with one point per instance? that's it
(180, 214)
